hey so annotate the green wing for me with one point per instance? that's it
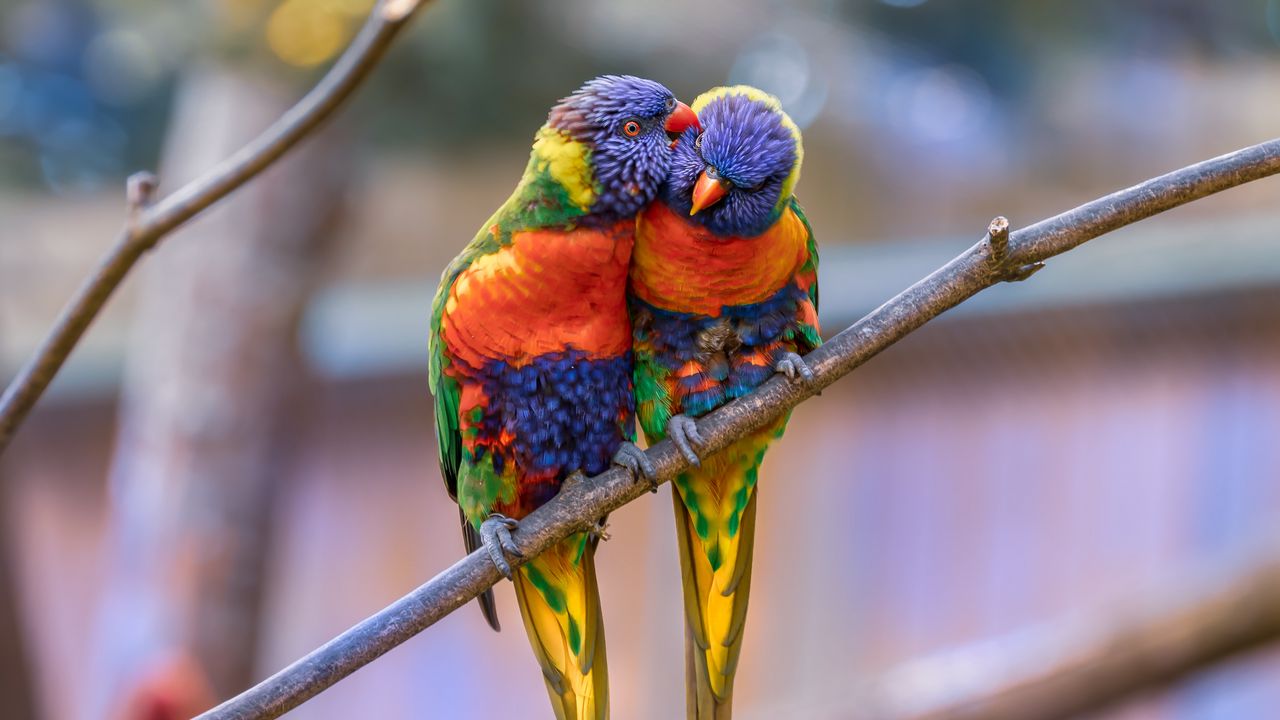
(653, 396)
(444, 388)
(809, 273)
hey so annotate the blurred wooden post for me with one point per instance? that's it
(211, 377)
(16, 691)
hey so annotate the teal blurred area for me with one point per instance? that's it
(1059, 446)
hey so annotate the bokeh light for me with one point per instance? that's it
(779, 64)
(121, 66)
(306, 33)
(939, 104)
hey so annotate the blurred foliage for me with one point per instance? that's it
(976, 28)
(85, 84)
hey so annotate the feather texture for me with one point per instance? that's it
(694, 354)
(531, 363)
(717, 299)
(561, 610)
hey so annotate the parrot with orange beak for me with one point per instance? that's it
(531, 363)
(723, 294)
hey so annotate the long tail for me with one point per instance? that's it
(560, 605)
(715, 509)
(488, 605)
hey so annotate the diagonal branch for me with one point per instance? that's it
(147, 224)
(1079, 666)
(581, 502)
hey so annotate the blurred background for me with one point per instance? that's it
(238, 462)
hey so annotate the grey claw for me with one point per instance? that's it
(495, 535)
(634, 459)
(791, 365)
(683, 431)
(498, 561)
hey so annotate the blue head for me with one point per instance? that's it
(739, 173)
(626, 125)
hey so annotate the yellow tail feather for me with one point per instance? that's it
(560, 605)
(716, 568)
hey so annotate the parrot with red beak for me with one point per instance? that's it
(531, 363)
(723, 294)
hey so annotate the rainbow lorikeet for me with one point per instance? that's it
(723, 294)
(531, 361)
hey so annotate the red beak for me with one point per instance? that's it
(681, 119)
(707, 192)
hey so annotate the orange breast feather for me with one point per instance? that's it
(680, 265)
(546, 290)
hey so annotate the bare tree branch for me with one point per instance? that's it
(1078, 667)
(581, 502)
(147, 224)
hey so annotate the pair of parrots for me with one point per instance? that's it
(652, 259)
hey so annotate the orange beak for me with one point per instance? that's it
(707, 192)
(681, 119)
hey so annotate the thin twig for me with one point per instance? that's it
(1080, 666)
(997, 240)
(139, 191)
(580, 503)
(147, 224)
(998, 236)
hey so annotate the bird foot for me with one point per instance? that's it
(495, 535)
(634, 459)
(794, 366)
(683, 431)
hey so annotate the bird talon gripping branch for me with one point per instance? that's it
(637, 462)
(794, 367)
(683, 431)
(495, 534)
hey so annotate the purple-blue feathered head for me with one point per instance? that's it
(738, 174)
(624, 121)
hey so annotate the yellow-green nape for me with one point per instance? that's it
(753, 93)
(774, 105)
(568, 163)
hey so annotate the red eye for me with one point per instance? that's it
(631, 128)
